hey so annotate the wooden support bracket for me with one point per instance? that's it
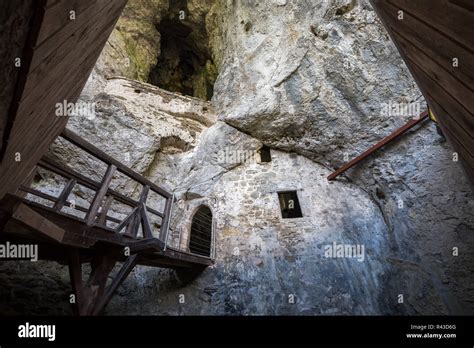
(92, 296)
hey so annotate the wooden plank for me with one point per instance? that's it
(439, 79)
(451, 20)
(38, 87)
(179, 255)
(453, 106)
(27, 33)
(74, 28)
(31, 151)
(66, 52)
(438, 48)
(58, 16)
(62, 199)
(99, 196)
(28, 180)
(38, 223)
(149, 245)
(464, 4)
(27, 55)
(379, 145)
(41, 94)
(32, 142)
(458, 147)
(455, 111)
(66, 69)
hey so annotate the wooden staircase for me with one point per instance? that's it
(74, 234)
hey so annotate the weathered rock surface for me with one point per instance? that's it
(311, 77)
(310, 80)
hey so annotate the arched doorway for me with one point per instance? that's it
(201, 232)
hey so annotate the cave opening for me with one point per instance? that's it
(185, 64)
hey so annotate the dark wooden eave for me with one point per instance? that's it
(429, 35)
(57, 60)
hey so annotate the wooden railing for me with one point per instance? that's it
(97, 214)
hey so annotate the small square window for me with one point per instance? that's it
(265, 155)
(289, 205)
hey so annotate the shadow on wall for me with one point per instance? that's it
(187, 276)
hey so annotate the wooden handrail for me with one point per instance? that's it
(53, 166)
(99, 195)
(96, 214)
(67, 203)
(99, 154)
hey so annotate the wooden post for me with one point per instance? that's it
(102, 264)
(75, 276)
(99, 196)
(127, 267)
(166, 219)
(132, 228)
(103, 213)
(146, 228)
(62, 199)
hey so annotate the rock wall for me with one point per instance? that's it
(311, 81)
(312, 77)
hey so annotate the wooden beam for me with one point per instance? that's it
(132, 228)
(146, 227)
(125, 270)
(62, 199)
(166, 220)
(75, 276)
(102, 264)
(105, 208)
(126, 221)
(377, 146)
(96, 152)
(99, 196)
(150, 244)
(37, 222)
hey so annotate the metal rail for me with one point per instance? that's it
(377, 146)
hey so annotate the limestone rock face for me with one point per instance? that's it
(269, 265)
(311, 80)
(310, 77)
(134, 45)
(162, 42)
